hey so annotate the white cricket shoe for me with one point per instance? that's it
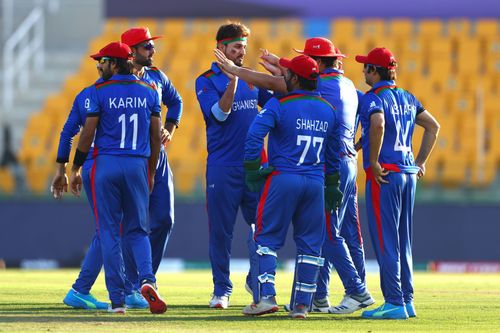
(265, 306)
(321, 305)
(351, 303)
(219, 302)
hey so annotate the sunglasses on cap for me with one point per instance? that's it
(148, 46)
(103, 60)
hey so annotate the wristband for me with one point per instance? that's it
(80, 157)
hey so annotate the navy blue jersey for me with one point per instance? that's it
(168, 94)
(226, 139)
(400, 109)
(74, 122)
(340, 92)
(125, 105)
(301, 129)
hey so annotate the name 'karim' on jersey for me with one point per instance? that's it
(124, 105)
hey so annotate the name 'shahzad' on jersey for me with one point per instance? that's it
(127, 102)
(312, 125)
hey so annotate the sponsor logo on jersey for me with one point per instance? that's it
(312, 125)
(128, 102)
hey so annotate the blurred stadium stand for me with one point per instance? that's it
(452, 66)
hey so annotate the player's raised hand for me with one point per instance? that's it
(75, 182)
(274, 70)
(59, 185)
(379, 173)
(269, 57)
(224, 63)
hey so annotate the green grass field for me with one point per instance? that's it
(31, 301)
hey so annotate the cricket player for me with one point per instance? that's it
(341, 93)
(300, 127)
(388, 116)
(161, 200)
(124, 116)
(343, 247)
(79, 295)
(229, 106)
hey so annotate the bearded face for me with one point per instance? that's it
(235, 52)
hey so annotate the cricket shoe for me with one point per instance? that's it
(118, 309)
(386, 311)
(83, 301)
(410, 308)
(265, 306)
(299, 311)
(136, 301)
(219, 302)
(320, 305)
(149, 292)
(351, 303)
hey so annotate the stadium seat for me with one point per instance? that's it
(458, 28)
(486, 28)
(7, 183)
(430, 28)
(343, 31)
(401, 28)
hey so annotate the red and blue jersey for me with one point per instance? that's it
(125, 106)
(226, 139)
(400, 109)
(168, 94)
(340, 92)
(301, 130)
(74, 122)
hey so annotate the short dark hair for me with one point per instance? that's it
(386, 74)
(328, 61)
(306, 84)
(125, 66)
(232, 30)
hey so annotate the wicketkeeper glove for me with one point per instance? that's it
(255, 175)
(333, 195)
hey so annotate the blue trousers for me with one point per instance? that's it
(119, 187)
(92, 263)
(345, 254)
(390, 220)
(297, 199)
(226, 193)
(161, 218)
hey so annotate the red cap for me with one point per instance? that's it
(320, 47)
(113, 50)
(379, 56)
(303, 66)
(134, 36)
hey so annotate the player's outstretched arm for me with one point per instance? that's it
(431, 131)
